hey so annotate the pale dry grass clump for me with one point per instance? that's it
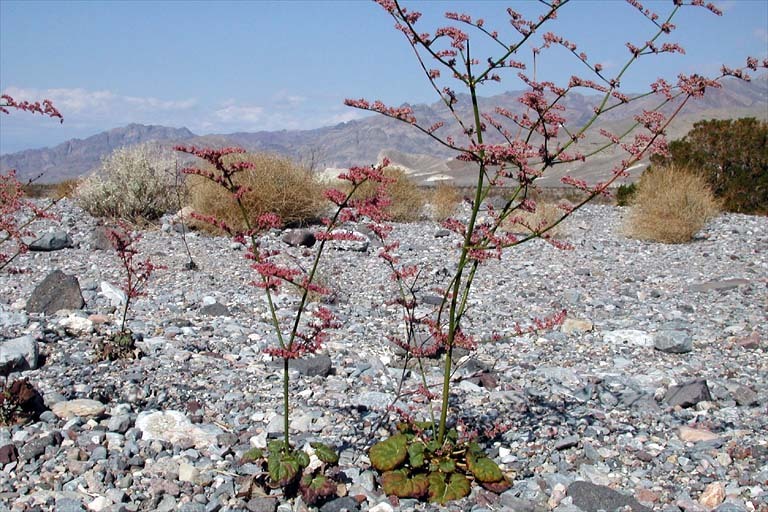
(445, 199)
(525, 222)
(407, 200)
(277, 185)
(671, 205)
(134, 183)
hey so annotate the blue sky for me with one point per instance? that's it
(220, 67)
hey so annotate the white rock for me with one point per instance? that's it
(82, 407)
(628, 337)
(381, 507)
(100, 503)
(115, 295)
(173, 427)
(76, 325)
(23, 351)
(188, 472)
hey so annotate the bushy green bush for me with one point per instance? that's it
(134, 183)
(625, 193)
(671, 205)
(732, 155)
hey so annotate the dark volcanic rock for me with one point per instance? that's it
(57, 291)
(311, 366)
(688, 394)
(53, 241)
(591, 498)
(300, 237)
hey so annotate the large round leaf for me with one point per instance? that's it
(388, 454)
(402, 485)
(484, 469)
(325, 453)
(442, 491)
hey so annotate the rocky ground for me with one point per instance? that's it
(653, 395)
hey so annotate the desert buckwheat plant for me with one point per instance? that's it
(511, 148)
(17, 213)
(305, 333)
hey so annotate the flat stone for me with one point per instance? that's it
(261, 505)
(576, 326)
(80, 407)
(591, 498)
(628, 337)
(18, 354)
(713, 495)
(52, 241)
(115, 295)
(673, 342)
(188, 473)
(340, 504)
(312, 366)
(76, 325)
(57, 291)
(688, 394)
(174, 426)
(215, 309)
(299, 238)
(694, 435)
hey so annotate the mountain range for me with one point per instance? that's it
(367, 140)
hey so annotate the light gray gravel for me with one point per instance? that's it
(581, 404)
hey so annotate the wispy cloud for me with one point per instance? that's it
(240, 113)
(84, 101)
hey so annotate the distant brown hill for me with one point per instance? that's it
(366, 140)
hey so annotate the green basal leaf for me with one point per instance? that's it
(314, 488)
(484, 469)
(442, 491)
(325, 453)
(302, 458)
(416, 455)
(402, 485)
(388, 454)
(276, 447)
(253, 454)
(447, 466)
(283, 468)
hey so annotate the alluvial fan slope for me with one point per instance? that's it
(653, 394)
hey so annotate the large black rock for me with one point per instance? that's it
(57, 291)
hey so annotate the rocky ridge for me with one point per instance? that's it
(653, 395)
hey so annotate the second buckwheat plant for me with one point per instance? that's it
(429, 458)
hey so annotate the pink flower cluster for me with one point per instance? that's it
(45, 108)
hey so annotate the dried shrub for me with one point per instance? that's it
(277, 185)
(134, 183)
(445, 199)
(407, 200)
(526, 222)
(66, 188)
(671, 205)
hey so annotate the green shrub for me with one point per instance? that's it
(133, 183)
(671, 205)
(277, 185)
(625, 194)
(732, 155)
